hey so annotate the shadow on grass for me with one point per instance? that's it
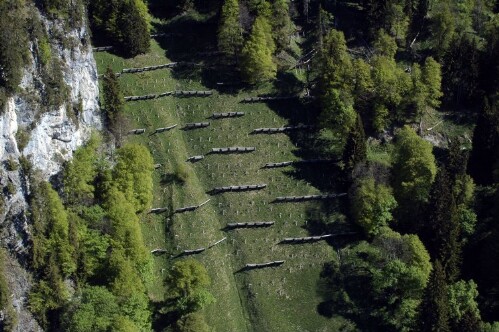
(172, 178)
(192, 40)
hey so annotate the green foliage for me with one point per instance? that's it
(129, 290)
(363, 82)
(125, 23)
(133, 27)
(113, 101)
(390, 81)
(355, 147)
(230, 37)
(9, 319)
(22, 138)
(192, 322)
(4, 288)
(442, 26)
(414, 167)
(93, 247)
(281, 23)
(51, 227)
(187, 283)
(381, 118)
(337, 116)
(381, 284)
(55, 7)
(93, 311)
(432, 78)
(181, 173)
(125, 229)
(132, 175)
(443, 226)
(490, 327)
(13, 50)
(434, 309)
(257, 64)
(462, 300)
(385, 45)
(11, 165)
(44, 50)
(371, 205)
(335, 65)
(80, 172)
(397, 22)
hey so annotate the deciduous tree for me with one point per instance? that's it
(257, 64)
(371, 205)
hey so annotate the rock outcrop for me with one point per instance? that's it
(49, 139)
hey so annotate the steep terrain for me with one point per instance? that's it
(46, 136)
(282, 298)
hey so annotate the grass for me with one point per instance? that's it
(274, 299)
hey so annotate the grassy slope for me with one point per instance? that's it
(272, 299)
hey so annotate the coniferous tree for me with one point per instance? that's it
(442, 27)
(432, 78)
(485, 144)
(134, 28)
(13, 53)
(281, 23)
(257, 63)
(469, 323)
(355, 148)
(126, 24)
(434, 308)
(230, 37)
(335, 64)
(443, 230)
(113, 100)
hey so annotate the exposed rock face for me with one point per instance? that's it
(53, 136)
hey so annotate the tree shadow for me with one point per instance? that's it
(191, 40)
(171, 178)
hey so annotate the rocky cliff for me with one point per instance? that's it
(47, 138)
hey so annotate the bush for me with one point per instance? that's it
(22, 138)
(181, 173)
(11, 165)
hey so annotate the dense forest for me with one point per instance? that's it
(386, 84)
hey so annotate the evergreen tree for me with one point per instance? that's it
(336, 119)
(443, 230)
(483, 159)
(124, 23)
(13, 47)
(335, 64)
(230, 37)
(442, 26)
(385, 45)
(469, 323)
(134, 28)
(355, 148)
(432, 78)
(281, 23)
(257, 63)
(113, 102)
(434, 308)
